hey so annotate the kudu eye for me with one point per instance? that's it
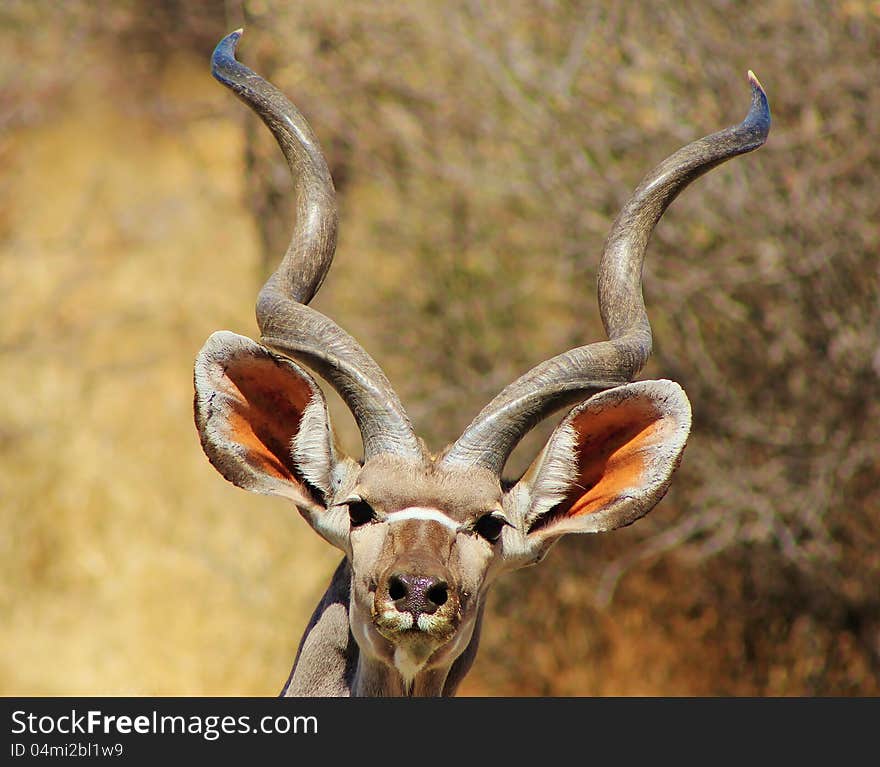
(360, 512)
(489, 526)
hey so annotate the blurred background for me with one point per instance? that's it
(481, 151)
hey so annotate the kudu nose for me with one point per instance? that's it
(417, 594)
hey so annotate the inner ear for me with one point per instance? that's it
(253, 410)
(265, 409)
(614, 451)
(610, 460)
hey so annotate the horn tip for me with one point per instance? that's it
(757, 121)
(223, 59)
(753, 79)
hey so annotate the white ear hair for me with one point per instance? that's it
(313, 449)
(557, 470)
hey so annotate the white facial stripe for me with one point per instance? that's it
(417, 512)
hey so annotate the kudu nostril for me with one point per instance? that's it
(417, 594)
(438, 594)
(397, 589)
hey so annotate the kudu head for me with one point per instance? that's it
(427, 534)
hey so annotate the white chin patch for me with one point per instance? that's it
(406, 664)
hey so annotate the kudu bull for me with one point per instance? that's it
(425, 535)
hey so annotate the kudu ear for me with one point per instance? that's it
(263, 421)
(606, 465)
